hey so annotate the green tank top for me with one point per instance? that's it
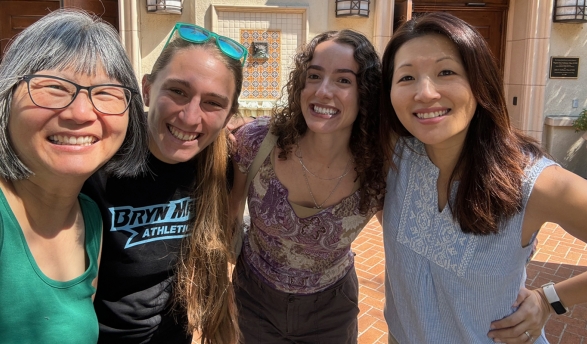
(35, 308)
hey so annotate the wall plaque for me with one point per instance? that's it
(564, 67)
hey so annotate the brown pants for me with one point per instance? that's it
(270, 316)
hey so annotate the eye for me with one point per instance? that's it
(313, 76)
(345, 81)
(215, 104)
(56, 87)
(406, 78)
(446, 72)
(177, 91)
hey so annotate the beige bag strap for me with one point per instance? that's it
(264, 150)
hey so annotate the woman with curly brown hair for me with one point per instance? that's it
(316, 188)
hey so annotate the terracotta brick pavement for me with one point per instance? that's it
(558, 257)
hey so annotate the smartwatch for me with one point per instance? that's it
(553, 298)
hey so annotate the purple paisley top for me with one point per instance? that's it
(297, 255)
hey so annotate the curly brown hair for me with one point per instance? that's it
(288, 123)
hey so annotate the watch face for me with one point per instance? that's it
(558, 307)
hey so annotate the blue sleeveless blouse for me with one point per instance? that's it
(442, 285)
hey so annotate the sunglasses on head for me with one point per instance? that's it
(197, 34)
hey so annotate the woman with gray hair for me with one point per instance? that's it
(68, 106)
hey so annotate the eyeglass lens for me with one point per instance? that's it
(198, 35)
(56, 94)
(193, 33)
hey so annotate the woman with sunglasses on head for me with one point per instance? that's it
(69, 102)
(191, 92)
(316, 188)
(466, 197)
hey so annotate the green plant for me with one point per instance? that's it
(580, 124)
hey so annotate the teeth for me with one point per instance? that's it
(72, 140)
(431, 114)
(325, 111)
(181, 135)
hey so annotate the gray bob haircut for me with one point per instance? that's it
(72, 39)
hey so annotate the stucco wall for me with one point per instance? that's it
(567, 40)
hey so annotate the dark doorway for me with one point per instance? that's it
(16, 15)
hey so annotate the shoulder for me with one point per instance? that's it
(248, 141)
(553, 180)
(90, 211)
(252, 132)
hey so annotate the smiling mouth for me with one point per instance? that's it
(182, 135)
(72, 140)
(325, 110)
(428, 115)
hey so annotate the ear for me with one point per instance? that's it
(146, 89)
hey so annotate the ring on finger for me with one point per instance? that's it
(528, 334)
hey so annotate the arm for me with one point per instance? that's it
(237, 194)
(95, 281)
(236, 207)
(558, 196)
(379, 216)
(234, 124)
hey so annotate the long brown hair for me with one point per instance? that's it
(491, 165)
(288, 123)
(203, 288)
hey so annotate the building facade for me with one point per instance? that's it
(521, 33)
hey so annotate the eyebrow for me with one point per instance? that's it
(440, 59)
(187, 85)
(340, 70)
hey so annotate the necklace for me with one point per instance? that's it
(298, 154)
(316, 205)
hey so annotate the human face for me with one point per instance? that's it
(430, 91)
(73, 141)
(189, 104)
(330, 101)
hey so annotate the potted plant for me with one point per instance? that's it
(580, 124)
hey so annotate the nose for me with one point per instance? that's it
(426, 91)
(324, 89)
(81, 110)
(192, 112)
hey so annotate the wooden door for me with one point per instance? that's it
(402, 12)
(105, 9)
(489, 21)
(16, 15)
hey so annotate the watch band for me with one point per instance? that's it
(553, 298)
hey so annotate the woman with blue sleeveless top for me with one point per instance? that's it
(466, 195)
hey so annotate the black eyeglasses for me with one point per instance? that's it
(51, 92)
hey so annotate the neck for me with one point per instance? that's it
(45, 209)
(445, 158)
(329, 150)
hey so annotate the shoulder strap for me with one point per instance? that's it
(264, 150)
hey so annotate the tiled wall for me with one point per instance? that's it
(264, 78)
(262, 75)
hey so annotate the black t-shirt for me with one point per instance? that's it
(145, 219)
